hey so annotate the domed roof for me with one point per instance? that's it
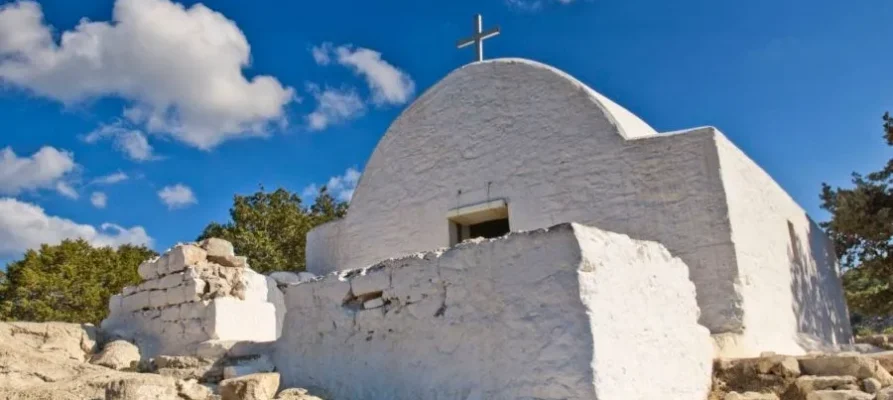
(628, 124)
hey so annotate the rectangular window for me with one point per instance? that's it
(487, 220)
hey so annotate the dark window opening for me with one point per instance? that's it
(489, 229)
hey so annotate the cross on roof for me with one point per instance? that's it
(478, 37)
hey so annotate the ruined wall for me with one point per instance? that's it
(195, 293)
(571, 312)
(793, 298)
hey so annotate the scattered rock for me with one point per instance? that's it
(249, 366)
(119, 355)
(885, 358)
(284, 278)
(192, 390)
(303, 394)
(137, 388)
(885, 394)
(839, 395)
(188, 367)
(217, 247)
(859, 366)
(250, 387)
(871, 385)
(230, 261)
(750, 396)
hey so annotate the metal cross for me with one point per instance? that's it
(479, 36)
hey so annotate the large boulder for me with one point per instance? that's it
(119, 354)
(250, 387)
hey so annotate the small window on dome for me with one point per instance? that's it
(487, 220)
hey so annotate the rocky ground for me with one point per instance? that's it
(842, 376)
(58, 361)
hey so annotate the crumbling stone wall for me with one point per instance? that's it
(571, 312)
(192, 294)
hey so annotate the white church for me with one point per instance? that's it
(509, 145)
(516, 235)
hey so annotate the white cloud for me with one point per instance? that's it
(333, 106)
(26, 226)
(179, 68)
(388, 84)
(111, 179)
(131, 142)
(66, 190)
(340, 187)
(99, 199)
(45, 169)
(177, 196)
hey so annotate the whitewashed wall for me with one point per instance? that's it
(793, 299)
(543, 141)
(556, 151)
(569, 313)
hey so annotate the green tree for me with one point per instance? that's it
(69, 282)
(270, 228)
(861, 227)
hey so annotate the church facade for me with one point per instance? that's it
(514, 145)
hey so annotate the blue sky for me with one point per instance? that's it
(196, 104)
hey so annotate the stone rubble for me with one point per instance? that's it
(194, 293)
(250, 387)
(839, 376)
(58, 361)
(119, 354)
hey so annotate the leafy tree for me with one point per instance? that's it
(69, 282)
(271, 228)
(862, 229)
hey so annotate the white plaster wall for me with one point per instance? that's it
(547, 144)
(569, 313)
(793, 299)
(324, 247)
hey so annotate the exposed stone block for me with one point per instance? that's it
(136, 301)
(374, 303)
(172, 280)
(183, 256)
(193, 310)
(158, 298)
(859, 366)
(146, 269)
(333, 291)
(250, 387)
(217, 247)
(171, 313)
(230, 261)
(839, 395)
(370, 282)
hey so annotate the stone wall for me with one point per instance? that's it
(571, 312)
(192, 294)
